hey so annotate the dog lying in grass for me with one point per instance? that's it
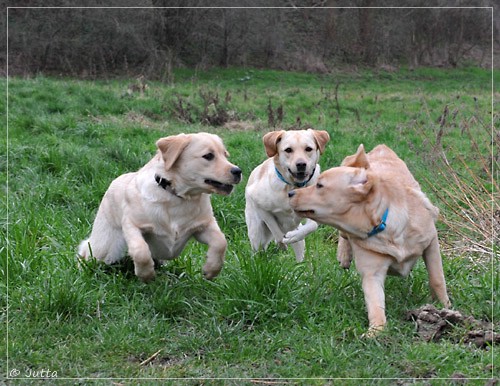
(152, 213)
(385, 220)
(292, 163)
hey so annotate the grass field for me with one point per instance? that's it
(265, 316)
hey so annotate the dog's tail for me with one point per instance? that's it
(84, 250)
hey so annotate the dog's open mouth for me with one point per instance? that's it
(299, 176)
(219, 186)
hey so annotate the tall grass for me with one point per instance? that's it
(469, 192)
(265, 316)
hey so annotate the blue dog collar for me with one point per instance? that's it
(380, 227)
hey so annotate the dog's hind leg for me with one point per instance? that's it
(434, 265)
(106, 242)
(274, 227)
(344, 252)
(109, 252)
(258, 233)
(260, 237)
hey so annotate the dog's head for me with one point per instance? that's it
(340, 195)
(197, 163)
(296, 152)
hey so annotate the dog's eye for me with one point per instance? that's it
(319, 185)
(288, 150)
(308, 149)
(209, 156)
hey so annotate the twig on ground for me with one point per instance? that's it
(150, 359)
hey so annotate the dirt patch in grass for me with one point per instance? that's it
(240, 126)
(434, 324)
(139, 119)
(157, 360)
(132, 118)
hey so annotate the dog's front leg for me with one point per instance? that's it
(217, 245)
(373, 269)
(138, 249)
(296, 238)
(301, 232)
(373, 289)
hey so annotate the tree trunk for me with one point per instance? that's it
(366, 33)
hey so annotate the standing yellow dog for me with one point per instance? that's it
(386, 222)
(292, 163)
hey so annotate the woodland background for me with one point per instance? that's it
(75, 123)
(103, 42)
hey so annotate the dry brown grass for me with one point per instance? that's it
(468, 192)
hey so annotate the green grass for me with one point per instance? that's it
(265, 316)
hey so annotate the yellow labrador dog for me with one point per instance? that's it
(292, 163)
(153, 212)
(386, 222)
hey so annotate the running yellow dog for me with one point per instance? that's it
(152, 213)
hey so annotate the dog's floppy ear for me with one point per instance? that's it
(321, 137)
(271, 141)
(361, 183)
(172, 147)
(357, 160)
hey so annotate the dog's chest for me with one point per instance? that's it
(403, 252)
(171, 228)
(277, 204)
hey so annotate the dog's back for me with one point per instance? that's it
(386, 161)
(394, 169)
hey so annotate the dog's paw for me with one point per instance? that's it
(293, 236)
(211, 271)
(372, 332)
(146, 277)
(145, 272)
(344, 256)
(345, 263)
(282, 245)
(300, 233)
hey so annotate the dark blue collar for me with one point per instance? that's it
(296, 184)
(162, 182)
(380, 227)
(165, 184)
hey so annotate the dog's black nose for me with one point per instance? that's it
(301, 166)
(236, 172)
(291, 193)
